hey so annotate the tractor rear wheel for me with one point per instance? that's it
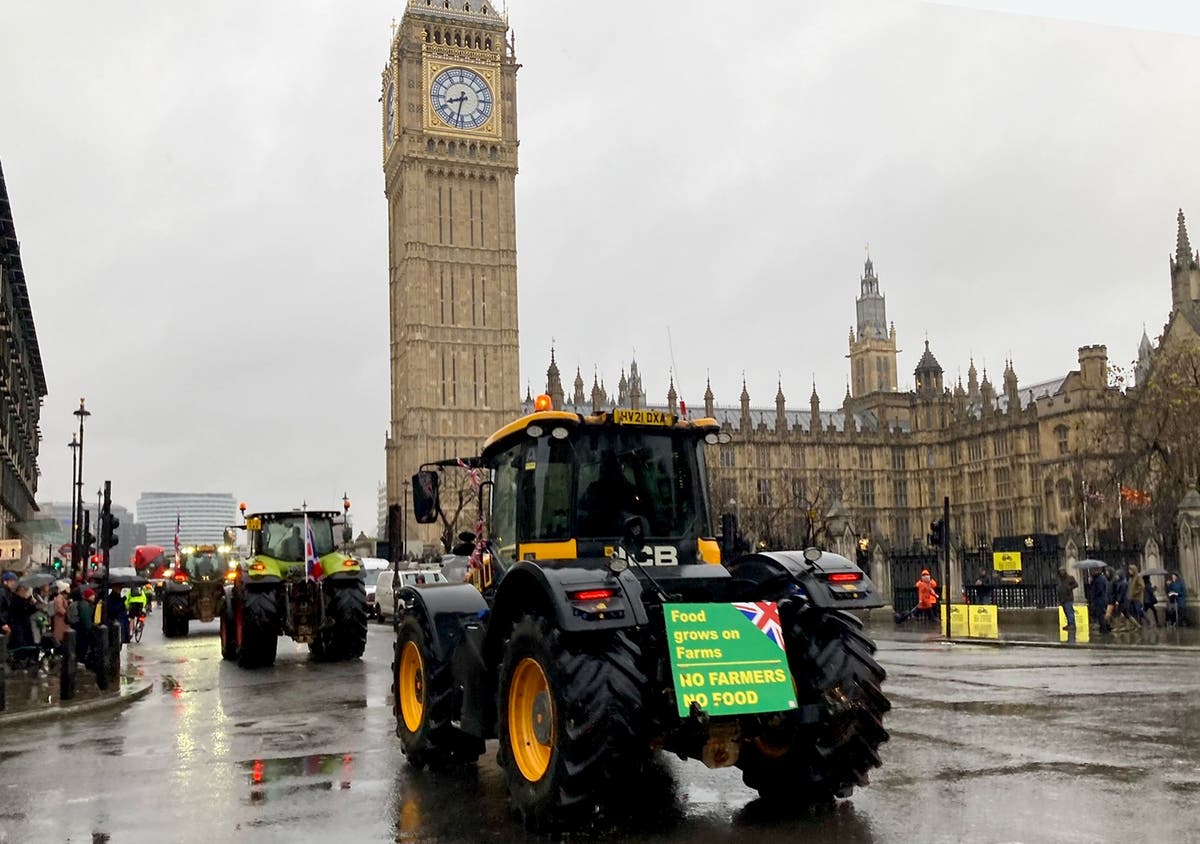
(344, 635)
(257, 629)
(423, 696)
(569, 718)
(838, 678)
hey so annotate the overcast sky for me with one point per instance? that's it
(199, 197)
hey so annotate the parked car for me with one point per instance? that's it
(385, 601)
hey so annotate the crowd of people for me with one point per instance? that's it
(34, 619)
(1122, 599)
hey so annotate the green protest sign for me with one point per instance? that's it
(729, 658)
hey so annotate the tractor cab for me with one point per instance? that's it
(557, 486)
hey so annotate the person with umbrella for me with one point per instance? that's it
(1066, 597)
(1176, 599)
(1099, 596)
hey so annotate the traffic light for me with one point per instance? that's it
(108, 530)
(935, 533)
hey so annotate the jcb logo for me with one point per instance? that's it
(655, 555)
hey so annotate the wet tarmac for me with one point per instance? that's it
(989, 744)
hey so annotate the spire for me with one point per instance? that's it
(672, 397)
(1183, 247)
(554, 387)
(814, 406)
(708, 397)
(528, 393)
(578, 398)
(972, 380)
(597, 394)
(745, 406)
(623, 388)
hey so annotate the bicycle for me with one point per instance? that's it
(139, 624)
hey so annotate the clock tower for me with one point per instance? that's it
(449, 137)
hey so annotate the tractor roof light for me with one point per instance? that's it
(542, 402)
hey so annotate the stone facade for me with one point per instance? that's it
(22, 383)
(452, 261)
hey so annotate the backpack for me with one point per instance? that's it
(73, 613)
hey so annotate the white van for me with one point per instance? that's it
(385, 601)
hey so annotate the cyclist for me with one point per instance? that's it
(135, 605)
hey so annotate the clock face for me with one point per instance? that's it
(391, 112)
(461, 98)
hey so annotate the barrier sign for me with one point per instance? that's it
(982, 622)
(1082, 622)
(1008, 563)
(958, 620)
(729, 658)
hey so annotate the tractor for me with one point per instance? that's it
(194, 588)
(294, 583)
(600, 625)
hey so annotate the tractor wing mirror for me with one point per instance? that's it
(425, 496)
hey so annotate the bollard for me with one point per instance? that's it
(66, 681)
(101, 654)
(115, 641)
(3, 671)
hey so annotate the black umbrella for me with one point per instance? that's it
(33, 581)
(1154, 573)
(1091, 564)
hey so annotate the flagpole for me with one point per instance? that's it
(1120, 512)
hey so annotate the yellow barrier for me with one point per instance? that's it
(1082, 624)
(972, 621)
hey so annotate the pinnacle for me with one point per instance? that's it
(1183, 247)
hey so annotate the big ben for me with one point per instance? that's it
(450, 164)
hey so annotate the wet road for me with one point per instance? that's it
(988, 745)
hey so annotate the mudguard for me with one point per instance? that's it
(447, 609)
(549, 587)
(817, 578)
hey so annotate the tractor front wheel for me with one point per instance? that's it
(568, 713)
(423, 696)
(344, 635)
(257, 628)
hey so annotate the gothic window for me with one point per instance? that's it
(487, 44)
(979, 526)
(475, 375)
(453, 320)
(450, 196)
(453, 148)
(441, 226)
(900, 492)
(975, 450)
(492, 153)
(899, 530)
(1064, 496)
(1061, 436)
(437, 36)
(429, 147)
(956, 488)
(472, 296)
(764, 492)
(1034, 445)
(1037, 520)
(726, 460)
(442, 299)
(1000, 444)
(898, 459)
(471, 212)
(1003, 483)
(481, 243)
(454, 379)
(797, 489)
(483, 300)
(443, 376)
(485, 379)
(975, 480)
(866, 493)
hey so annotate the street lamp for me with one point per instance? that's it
(74, 446)
(82, 413)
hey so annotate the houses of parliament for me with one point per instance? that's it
(1013, 457)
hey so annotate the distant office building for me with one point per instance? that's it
(22, 384)
(130, 533)
(203, 516)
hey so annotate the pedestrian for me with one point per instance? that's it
(21, 610)
(983, 587)
(82, 618)
(6, 597)
(1099, 600)
(1066, 597)
(58, 613)
(1137, 594)
(1118, 606)
(926, 599)
(1176, 600)
(114, 610)
(1150, 602)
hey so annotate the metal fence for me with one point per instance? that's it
(906, 571)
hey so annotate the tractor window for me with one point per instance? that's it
(545, 490)
(283, 539)
(625, 473)
(505, 474)
(204, 564)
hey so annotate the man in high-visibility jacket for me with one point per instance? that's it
(927, 598)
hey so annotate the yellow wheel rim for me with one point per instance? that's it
(410, 686)
(530, 719)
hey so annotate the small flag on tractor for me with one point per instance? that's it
(312, 563)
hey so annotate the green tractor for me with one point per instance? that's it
(307, 590)
(601, 625)
(194, 588)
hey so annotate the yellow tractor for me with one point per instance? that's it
(600, 625)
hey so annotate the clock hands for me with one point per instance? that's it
(460, 99)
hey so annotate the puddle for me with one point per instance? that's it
(271, 779)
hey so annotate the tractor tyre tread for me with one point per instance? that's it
(260, 633)
(346, 637)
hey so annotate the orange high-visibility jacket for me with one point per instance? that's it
(926, 593)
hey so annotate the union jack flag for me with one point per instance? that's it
(765, 615)
(312, 563)
(473, 471)
(176, 534)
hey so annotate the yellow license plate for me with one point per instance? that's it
(642, 417)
